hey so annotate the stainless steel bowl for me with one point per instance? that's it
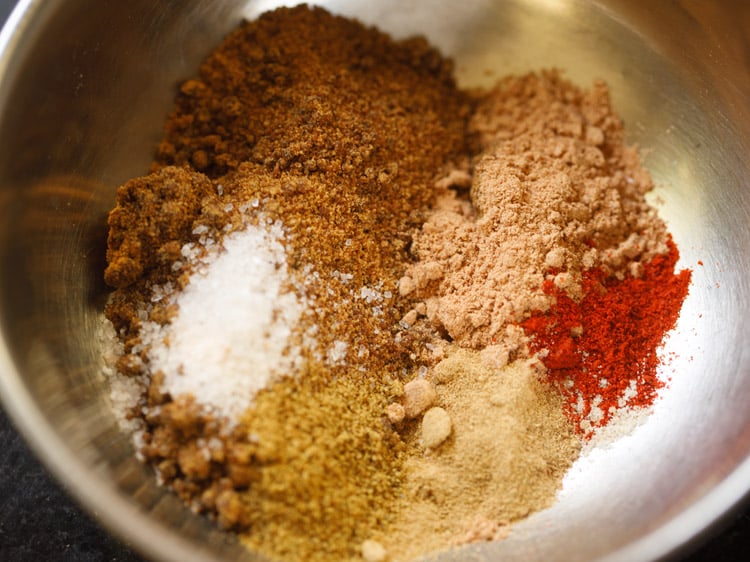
(84, 87)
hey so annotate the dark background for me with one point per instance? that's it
(40, 522)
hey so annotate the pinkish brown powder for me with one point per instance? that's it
(555, 190)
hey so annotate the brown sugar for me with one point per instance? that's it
(302, 90)
(166, 205)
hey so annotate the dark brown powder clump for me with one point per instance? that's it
(302, 90)
(153, 217)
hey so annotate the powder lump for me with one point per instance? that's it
(436, 427)
(419, 395)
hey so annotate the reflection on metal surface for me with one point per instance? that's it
(85, 87)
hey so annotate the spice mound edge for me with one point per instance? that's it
(602, 351)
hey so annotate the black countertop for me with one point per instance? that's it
(40, 522)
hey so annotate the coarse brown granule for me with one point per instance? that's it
(152, 218)
(309, 471)
(555, 191)
(300, 89)
(505, 458)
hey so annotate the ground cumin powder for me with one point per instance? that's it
(329, 468)
(402, 204)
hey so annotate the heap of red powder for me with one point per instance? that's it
(602, 351)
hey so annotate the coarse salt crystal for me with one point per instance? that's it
(370, 295)
(337, 353)
(230, 336)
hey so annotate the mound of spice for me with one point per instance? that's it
(601, 351)
(558, 240)
(345, 277)
(509, 447)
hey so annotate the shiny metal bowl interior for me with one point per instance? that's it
(84, 88)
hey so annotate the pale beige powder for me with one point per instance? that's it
(509, 447)
(555, 191)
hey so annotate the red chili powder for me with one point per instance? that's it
(602, 350)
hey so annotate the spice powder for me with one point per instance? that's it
(345, 277)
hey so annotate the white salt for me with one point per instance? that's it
(370, 295)
(124, 392)
(231, 334)
(337, 353)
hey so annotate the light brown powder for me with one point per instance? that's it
(509, 447)
(326, 467)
